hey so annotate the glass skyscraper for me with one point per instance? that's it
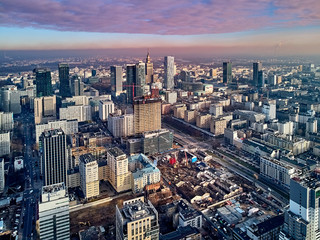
(64, 80)
(43, 82)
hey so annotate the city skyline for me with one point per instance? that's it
(265, 27)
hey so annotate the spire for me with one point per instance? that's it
(148, 57)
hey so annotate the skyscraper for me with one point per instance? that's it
(53, 148)
(149, 70)
(116, 80)
(302, 215)
(227, 72)
(2, 180)
(131, 81)
(77, 86)
(64, 80)
(257, 66)
(169, 72)
(54, 222)
(147, 114)
(43, 82)
(140, 79)
(261, 80)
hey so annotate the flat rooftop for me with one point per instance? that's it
(116, 152)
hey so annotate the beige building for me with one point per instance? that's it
(190, 116)
(147, 114)
(178, 111)
(137, 220)
(217, 126)
(120, 177)
(45, 109)
(89, 177)
(203, 121)
(216, 109)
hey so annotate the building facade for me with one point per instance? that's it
(64, 80)
(89, 176)
(169, 72)
(43, 82)
(45, 109)
(121, 125)
(54, 222)
(116, 80)
(105, 108)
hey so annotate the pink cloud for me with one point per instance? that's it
(167, 17)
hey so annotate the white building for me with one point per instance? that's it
(285, 128)
(276, 171)
(18, 163)
(121, 125)
(216, 110)
(89, 176)
(270, 111)
(6, 121)
(67, 126)
(2, 179)
(80, 113)
(105, 108)
(169, 72)
(171, 97)
(189, 216)
(54, 222)
(5, 143)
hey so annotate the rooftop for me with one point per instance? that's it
(87, 158)
(53, 188)
(116, 152)
(137, 210)
(181, 233)
(268, 225)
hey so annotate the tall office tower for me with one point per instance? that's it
(116, 80)
(6, 121)
(131, 82)
(45, 109)
(302, 216)
(261, 80)
(105, 108)
(140, 79)
(257, 66)
(2, 180)
(137, 219)
(43, 82)
(64, 80)
(77, 86)
(149, 70)
(147, 114)
(89, 176)
(227, 72)
(121, 125)
(53, 148)
(169, 72)
(54, 222)
(120, 177)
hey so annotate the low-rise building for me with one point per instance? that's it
(189, 216)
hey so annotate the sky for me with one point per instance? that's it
(260, 27)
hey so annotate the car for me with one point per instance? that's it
(31, 191)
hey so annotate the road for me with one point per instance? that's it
(32, 181)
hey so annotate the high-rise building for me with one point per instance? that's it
(10, 99)
(149, 70)
(121, 125)
(140, 79)
(257, 66)
(147, 114)
(137, 219)
(120, 177)
(45, 109)
(105, 108)
(2, 180)
(169, 72)
(302, 215)
(89, 176)
(77, 86)
(64, 80)
(80, 113)
(116, 80)
(54, 159)
(6, 121)
(261, 79)
(131, 81)
(43, 82)
(227, 72)
(67, 126)
(5, 143)
(54, 222)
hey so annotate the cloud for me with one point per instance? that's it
(163, 17)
